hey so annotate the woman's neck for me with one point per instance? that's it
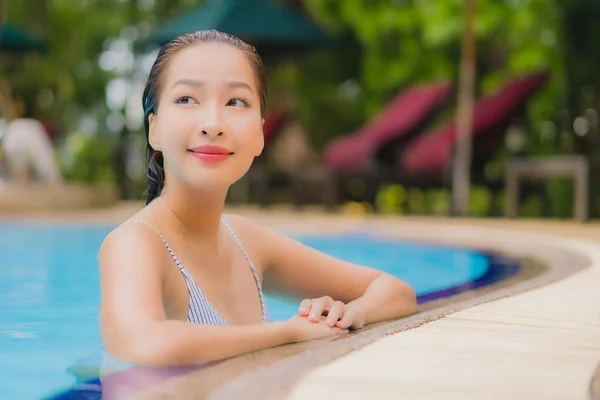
(198, 214)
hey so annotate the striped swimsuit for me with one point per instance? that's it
(201, 311)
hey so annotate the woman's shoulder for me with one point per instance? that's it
(243, 226)
(254, 234)
(130, 229)
(133, 238)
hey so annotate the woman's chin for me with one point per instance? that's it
(216, 184)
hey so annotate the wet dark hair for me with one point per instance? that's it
(154, 158)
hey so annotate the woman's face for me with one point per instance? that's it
(208, 124)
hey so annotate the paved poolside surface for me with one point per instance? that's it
(538, 343)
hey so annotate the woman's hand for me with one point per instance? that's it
(301, 329)
(336, 313)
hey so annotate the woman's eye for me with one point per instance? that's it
(185, 100)
(237, 103)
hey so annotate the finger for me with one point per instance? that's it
(338, 331)
(346, 321)
(335, 313)
(318, 307)
(304, 307)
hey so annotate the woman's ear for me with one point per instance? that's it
(152, 134)
(260, 144)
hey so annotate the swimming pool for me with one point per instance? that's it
(49, 293)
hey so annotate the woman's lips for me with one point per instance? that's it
(211, 153)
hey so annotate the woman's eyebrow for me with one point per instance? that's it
(189, 82)
(239, 84)
(196, 83)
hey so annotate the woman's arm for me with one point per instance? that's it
(385, 298)
(133, 321)
(303, 272)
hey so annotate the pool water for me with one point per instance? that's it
(427, 268)
(49, 294)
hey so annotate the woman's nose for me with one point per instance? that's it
(212, 132)
(212, 121)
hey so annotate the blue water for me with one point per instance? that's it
(49, 294)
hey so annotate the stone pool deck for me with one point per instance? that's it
(543, 342)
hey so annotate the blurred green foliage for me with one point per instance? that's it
(85, 159)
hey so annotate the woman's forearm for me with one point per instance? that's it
(386, 298)
(168, 343)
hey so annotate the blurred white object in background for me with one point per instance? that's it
(26, 146)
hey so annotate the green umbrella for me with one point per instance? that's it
(272, 28)
(15, 40)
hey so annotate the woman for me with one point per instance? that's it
(182, 283)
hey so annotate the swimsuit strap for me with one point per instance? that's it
(252, 267)
(171, 252)
(240, 246)
(200, 308)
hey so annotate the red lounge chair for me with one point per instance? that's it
(399, 122)
(431, 154)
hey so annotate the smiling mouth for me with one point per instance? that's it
(211, 153)
(224, 153)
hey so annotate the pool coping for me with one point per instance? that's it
(282, 375)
